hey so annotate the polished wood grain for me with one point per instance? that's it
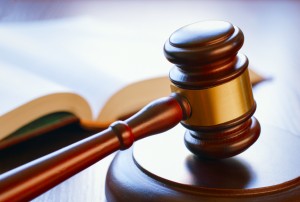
(155, 175)
(213, 76)
(28, 181)
(177, 175)
(271, 31)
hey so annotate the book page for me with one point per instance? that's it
(19, 87)
(90, 57)
(25, 97)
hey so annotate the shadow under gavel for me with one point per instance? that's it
(211, 97)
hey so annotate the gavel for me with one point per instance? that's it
(211, 97)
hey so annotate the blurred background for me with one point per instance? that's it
(268, 25)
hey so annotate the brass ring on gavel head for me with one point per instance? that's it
(219, 104)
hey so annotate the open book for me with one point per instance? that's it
(93, 71)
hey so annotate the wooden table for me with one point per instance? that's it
(272, 44)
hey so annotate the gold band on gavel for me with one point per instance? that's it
(219, 104)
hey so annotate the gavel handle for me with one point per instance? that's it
(30, 180)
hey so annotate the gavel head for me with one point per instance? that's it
(213, 77)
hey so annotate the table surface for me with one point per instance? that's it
(271, 29)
